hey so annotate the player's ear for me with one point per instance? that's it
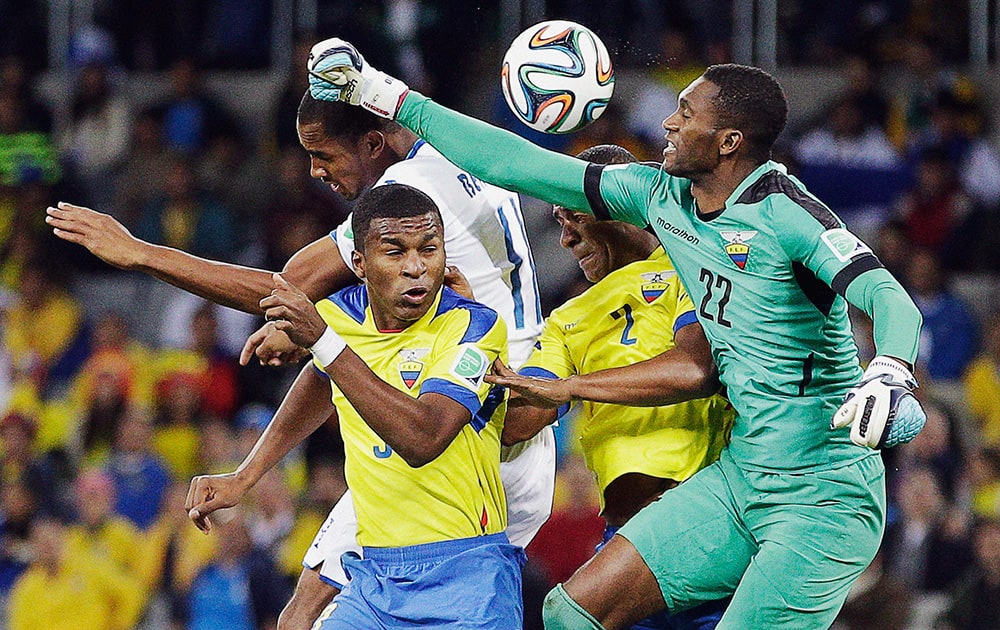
(731, 141)
(374, 143)
(358, 262)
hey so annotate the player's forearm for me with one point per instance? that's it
(495, 155)
(413, 428)
(896, 319)
(230, 285)
(666, 379)
(305, 408)
(523, 421)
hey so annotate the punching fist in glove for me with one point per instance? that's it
(338, 72)
(881, 409)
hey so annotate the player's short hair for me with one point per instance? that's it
(607, 154)
(752, 101)
(393, 201)
(340, 120)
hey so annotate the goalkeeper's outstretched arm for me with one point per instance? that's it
(338, 72)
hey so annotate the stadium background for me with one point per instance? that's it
(178, 119)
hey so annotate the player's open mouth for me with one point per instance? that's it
(416, 294)
(670, 148)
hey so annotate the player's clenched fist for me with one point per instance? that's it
(338, 72)
(291, 311)
(209, 493)
(271, 347)
(881, 410)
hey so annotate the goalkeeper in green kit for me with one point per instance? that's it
(794, 510)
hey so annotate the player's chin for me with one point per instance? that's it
(410, 307)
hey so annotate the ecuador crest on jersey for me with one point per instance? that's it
(736, 245)
(655, 283)
(411, 364)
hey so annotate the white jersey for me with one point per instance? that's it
(484, 237)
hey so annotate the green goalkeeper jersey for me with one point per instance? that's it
(768, 274)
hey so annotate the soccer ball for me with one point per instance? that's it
(557, 76)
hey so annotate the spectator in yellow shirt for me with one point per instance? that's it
(62, 590)
(982, 386)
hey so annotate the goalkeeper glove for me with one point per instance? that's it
(881, 409)
(338, 72)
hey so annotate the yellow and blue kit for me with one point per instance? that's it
(629, 316)
(429, 535)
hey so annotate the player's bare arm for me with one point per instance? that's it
(418, 429)
(684, 372)
(523, 420)
(306, 407)
(318, 268)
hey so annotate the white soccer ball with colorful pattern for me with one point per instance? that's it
(557, 76)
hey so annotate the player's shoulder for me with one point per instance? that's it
(776, 193)
(422, 161)
(477, 319)
(350, 303)
(648, 278)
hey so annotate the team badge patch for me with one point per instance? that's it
(411, 364)
(654, 284)
(736, 245)
(470, 366)
(843, 244)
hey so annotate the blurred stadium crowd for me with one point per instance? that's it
(115, 389)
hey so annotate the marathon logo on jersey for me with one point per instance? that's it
(677, 231)
(843, 244)
(736, 245)
(470, 366)
(655, 284)
(411, 364)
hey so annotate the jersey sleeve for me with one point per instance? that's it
(550, 358)
(343, 236)
(684, 313)
(820, 242)
(463, 353)
(495, 155)
(621, 192)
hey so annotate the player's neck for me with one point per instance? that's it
(401, 142)
(713, 189)
(387, 323)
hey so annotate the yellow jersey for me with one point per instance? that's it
(447, 351)
(629, 316)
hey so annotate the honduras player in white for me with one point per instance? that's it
(351, 150)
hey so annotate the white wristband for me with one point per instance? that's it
(328, 347)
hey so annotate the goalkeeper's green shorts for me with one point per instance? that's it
(786, 546)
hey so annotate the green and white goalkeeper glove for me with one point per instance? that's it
(338, 72)
(881, 409)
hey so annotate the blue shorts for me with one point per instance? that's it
(466, 583)
(702, 617)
